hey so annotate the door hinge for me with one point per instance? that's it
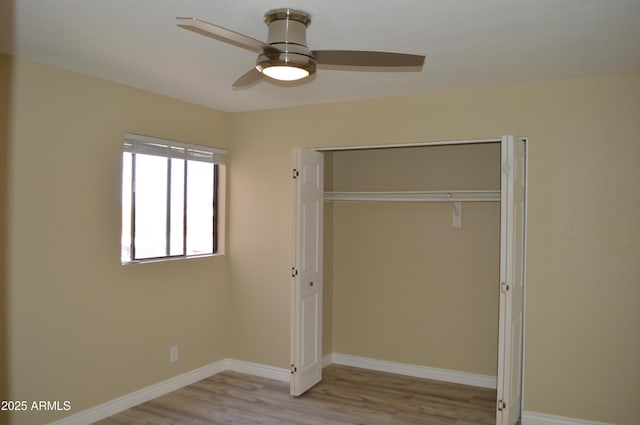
(506, 167)
(504, 287)
(294, 369)
(296, 173)
(294, 272)
(501, 405)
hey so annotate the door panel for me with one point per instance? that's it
(310, 311)
(306, 320)
(511, 281)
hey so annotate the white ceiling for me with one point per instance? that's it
(468, 43)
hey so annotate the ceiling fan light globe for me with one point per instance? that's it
(285, 72)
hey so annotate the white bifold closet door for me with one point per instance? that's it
(513, 181)
(306, 301)
(306, 320)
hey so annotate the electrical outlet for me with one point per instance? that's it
(173, 354)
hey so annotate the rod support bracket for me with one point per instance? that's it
(457, 213)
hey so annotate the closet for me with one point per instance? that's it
(424, 259)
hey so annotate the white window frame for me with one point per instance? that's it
(170, 149)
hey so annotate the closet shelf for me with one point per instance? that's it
(417, 196)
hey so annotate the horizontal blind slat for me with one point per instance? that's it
(146, 145)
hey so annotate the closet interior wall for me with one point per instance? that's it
(401, 284)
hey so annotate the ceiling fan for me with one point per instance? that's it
(286, 57)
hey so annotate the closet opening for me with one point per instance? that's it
(410, 259)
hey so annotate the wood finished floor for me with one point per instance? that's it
(346, 395)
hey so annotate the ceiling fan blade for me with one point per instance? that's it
(222, 34)
(364, 58)
(248, 78)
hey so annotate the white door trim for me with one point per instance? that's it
(405, 145)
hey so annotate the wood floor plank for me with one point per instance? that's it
(346, 396)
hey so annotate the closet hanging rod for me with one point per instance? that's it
(417, 196)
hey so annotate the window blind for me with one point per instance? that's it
(135, 143)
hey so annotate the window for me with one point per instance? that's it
(170, 199)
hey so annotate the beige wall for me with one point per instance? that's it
(5, 84)
(447, 167)
(583, 252)
(407, 286)
(82, 327)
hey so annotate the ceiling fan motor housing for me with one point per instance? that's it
(287, 35)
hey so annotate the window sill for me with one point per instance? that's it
(166, 259)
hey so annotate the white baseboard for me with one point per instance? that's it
(135, 398)
(327, 359)
(534, 418)
(446, 375)
(256, 369)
